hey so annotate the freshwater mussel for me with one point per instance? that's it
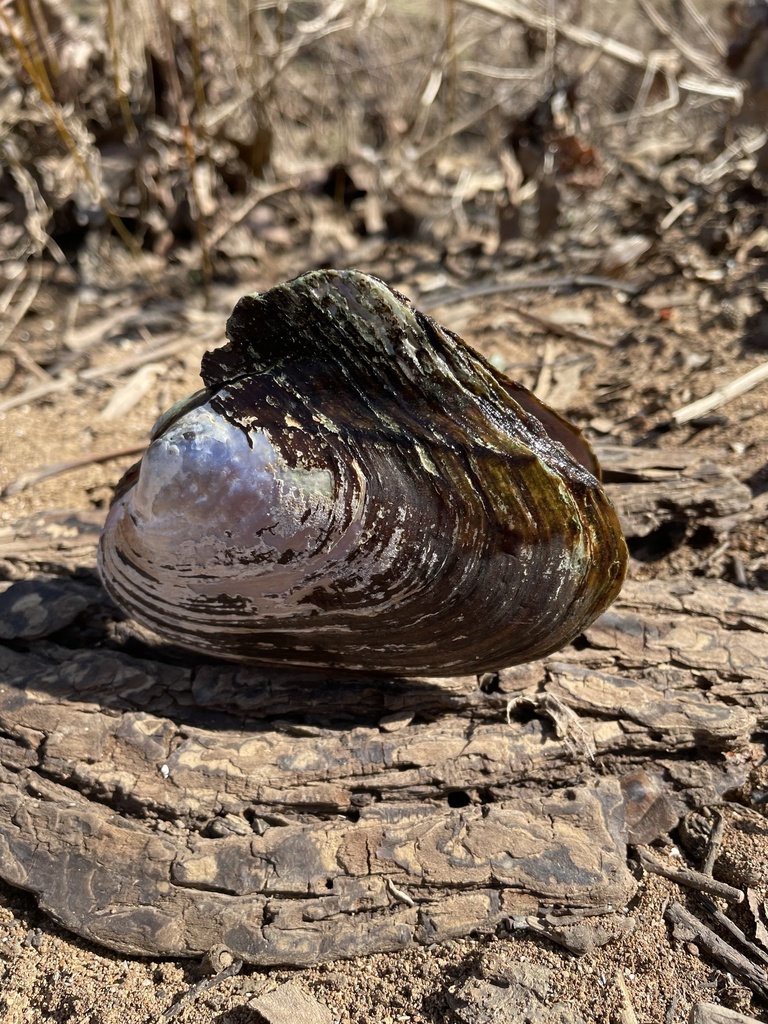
(356, 488)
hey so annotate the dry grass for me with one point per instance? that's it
(158, 122)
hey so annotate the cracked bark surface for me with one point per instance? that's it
(162, 806)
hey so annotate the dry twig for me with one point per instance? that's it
(62, 383)
(733, 930)
(713, 845)
(480, 291)
(689, 878)
(27, 298)
(562, 330)
(722, 395)
(687, 928)
(205, 985)
(39, 473)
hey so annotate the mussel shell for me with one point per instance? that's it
(357, 488)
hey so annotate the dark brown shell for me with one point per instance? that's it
(355, 487)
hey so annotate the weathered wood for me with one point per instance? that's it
(299, 893)
(651, 488)
(711, 1013)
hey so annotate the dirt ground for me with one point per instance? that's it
(659, 358)
(109, 342)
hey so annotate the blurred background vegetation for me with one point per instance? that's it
(140, 135)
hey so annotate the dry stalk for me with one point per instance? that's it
(198, 83)
(36, 38)
(452, 61)
(189, 147)
(36, 207)
(115, 51)
(694, 56)
(715, 85)
(668, 66)
(549, 51)
(716, 40)
(250, 202)
(10, 290)
(26, 300)
(41, 82)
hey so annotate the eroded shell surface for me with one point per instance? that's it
(357, 488)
